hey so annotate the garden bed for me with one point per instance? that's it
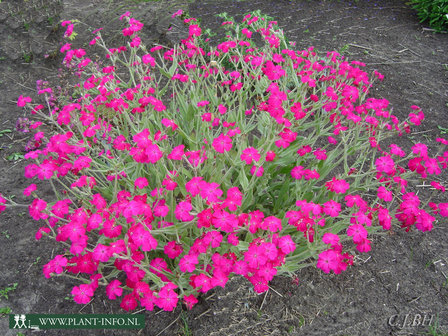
(402, 278)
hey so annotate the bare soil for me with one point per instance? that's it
(391, 291)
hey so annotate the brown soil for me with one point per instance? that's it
(404, 275)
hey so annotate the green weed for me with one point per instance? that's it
(5, 311)
(15, 157)
(4, 292)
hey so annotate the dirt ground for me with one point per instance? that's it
(397, 289)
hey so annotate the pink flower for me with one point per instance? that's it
(234, 199)
(240, 267)
(270, 156)
(330, 238)
(82, 162)
(172, 249)
(203, 282)
(385, 164)
(203, 103)
(257, 171)
(337, 186)
(141, 182)
(396, 150)
(190, 301)
(233, 240)
(59, 262)
(357, 232)
(178, 13)
(188, 263)
(101, 253)
(273, 72)
(195, 185)
(129, 302)
(328, 260)
(286, 244)
(384, 194)
(332, 140)
(272, 223)
(384, 218)
(255, 257)
(443, 209)
(167, 298)
(432, 166)
(182, 211)
(246, 32)
(222, 109)
(169, 123)
(22, 101)
(213, 239)
(225, 221)
(82, 294)
(113, 289)
(29, 190)
(222, 143)
(363, 246)
(250, 154)
(320, 154)
(149, 59)
(36, 209)
(143, 238)
(424, 221)
(332, 208)
(420, 149)
(154, 153)
(177, 153)
(194, 30)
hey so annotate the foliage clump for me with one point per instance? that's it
(177, 168)
(435, 12)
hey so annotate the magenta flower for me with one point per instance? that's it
(101, 253)
(384, 218)
(357, 232)
(203, 103)
(167, 299)
(22, 101)
(332, 208)
(337, 186)
(225, 221)
(255, 256)
(250, 154)
(182, 211)
(129, 302)
(257, 171)
(273, 72)
(177, 153)
(153, 153)
(113, 289)
(141, 182)
(286, 244)
(328, 260)
(82, 294)
(29, 190)
(270, 156)
(36, 209)
(384, 194)
(190, 301)
(330, 239)
(272, 224)
(188, 263)
(222, 143)
(364, 246)
(172, 249)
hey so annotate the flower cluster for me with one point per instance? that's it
(176, 169)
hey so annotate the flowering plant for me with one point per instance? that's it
(175, 169)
